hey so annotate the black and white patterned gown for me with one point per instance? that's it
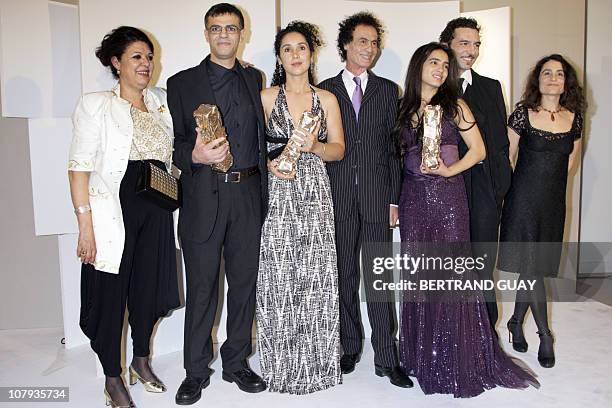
(298, 327)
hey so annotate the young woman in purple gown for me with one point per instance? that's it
(446, 340)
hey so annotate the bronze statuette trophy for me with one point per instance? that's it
(208, 119)
(432, 133)
(287, 161)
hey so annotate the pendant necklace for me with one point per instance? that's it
(552, 112)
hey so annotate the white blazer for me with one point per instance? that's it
(101, 144)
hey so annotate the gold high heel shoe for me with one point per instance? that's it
(112, 403)
(150, 386)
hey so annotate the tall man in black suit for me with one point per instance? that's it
(365, 188)
(220, 210)
(487, 182)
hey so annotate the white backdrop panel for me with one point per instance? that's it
(70, 276)
(596, 222)
(495, 52)
(49, 144)
(25, 58)
(66, 56)
(177, 31)
(407, 26)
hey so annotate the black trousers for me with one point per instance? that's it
(484, 232)
(352, 235)
(237, 232)
(147, 281)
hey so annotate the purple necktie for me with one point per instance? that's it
(357, 96)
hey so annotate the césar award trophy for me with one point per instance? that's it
(287, 161)
(208, 119)
(432, 134)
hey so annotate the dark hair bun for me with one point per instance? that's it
(115, 43)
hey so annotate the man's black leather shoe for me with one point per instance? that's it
(347, 363)
(190, 390)
(396, 376)
(246, 380)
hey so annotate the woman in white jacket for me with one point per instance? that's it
(126, 243)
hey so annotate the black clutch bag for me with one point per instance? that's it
(158, 186)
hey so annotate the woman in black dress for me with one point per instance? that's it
(545, 128)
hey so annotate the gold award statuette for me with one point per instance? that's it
(432, 133)
(287, 161)
(208, 119)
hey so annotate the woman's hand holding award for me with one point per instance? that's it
(287, 161)
(432, 133)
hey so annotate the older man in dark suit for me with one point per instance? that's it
(365, 188)
(487, 182)
(220, 210)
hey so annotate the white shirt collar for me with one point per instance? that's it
(350, 85)
(467, 76)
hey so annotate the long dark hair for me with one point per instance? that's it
(572, 97)
(446, 97)
(312, 36)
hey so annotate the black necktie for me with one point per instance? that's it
(461, 81)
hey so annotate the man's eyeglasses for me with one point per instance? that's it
(229, 29)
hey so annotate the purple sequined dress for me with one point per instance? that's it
(446, 342)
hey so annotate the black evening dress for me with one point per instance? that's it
(533, 215)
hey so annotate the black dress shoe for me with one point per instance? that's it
(396, 376)
(246, 380)
(190, 390)
(516, 335)
(347, 363)
(546, 352)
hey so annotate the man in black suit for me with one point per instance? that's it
(220, 210)
(365, 188)
(487, 182)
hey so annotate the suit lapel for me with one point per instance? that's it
(156, 109)
(120, 112)
(253, 92)
(476, 98)
(340, 89)
(474, 94)
(371, 88)
(204, 92)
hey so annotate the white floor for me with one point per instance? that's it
(581, 378)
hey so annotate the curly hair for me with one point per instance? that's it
(347, 27)
(448, 33)
(572, 97)
(115, 43)
(313, 38)
(446, 96)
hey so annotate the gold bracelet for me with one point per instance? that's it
(324, 146)
(82, 209)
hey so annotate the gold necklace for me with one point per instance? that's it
(552, 112)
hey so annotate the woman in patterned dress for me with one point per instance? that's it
(297, 287)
